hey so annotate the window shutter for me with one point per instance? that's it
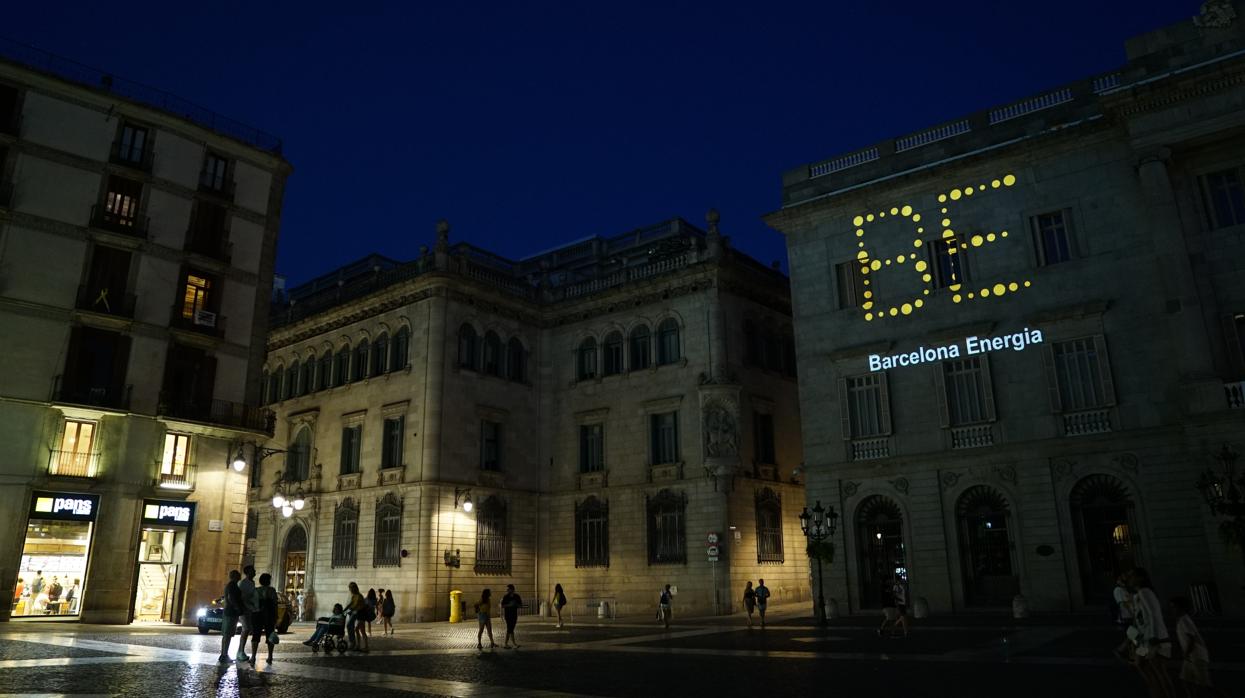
(940, 385)
(988, 388)
(1236, 353)
(845, 413)
(886, 405)
(1104, 369)
(1052, 378)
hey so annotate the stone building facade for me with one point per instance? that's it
(136, 254)
(603, 406)
(1020, 337)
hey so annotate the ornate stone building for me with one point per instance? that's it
(136, 254)
(585, 416)
(1020, 337)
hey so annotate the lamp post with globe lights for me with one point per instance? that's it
(817, 527)
(282, 500)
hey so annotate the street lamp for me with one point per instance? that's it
(282, 500)
(818, 526)
(1223, 494)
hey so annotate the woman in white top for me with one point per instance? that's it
(1154, 647)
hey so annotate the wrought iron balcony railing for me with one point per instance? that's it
(101, 299)
(73, 463)
(104, 219)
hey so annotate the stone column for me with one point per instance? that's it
(434, 387)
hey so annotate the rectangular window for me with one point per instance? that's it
(1225, 198)
(591, 448)
(592, 533)
(121, 201)
(76, 455)
(613, 355)
(967, 391)
(1081, 374)
(195, 295)
(490, 445)
(352, 440)
(763, 438)
(215, 168)
(176, 451)
(208, 229)
(948, 260)
(132, 148)
(667, 533)
(1051, 238)
(391, 451)
(664, 436)
(866, 408)
(851, 290)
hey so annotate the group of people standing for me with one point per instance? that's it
(358, 615)
(43, 597)
(252, 606)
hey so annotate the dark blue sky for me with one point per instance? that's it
(529, 124)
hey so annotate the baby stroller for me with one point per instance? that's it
(334, 634)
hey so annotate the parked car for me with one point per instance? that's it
(209, 616)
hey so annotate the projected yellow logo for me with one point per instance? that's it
(943, 252)
(43, 505)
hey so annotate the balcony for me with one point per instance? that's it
(140, 161)
(871, 449)
(114, 397)
(178, 478)
(106, 301)
(973, 436)
(218, 412)
(102, 218)
(73, 464)
(221, 190)
(214, 246)
(1088, 422)
(203, 321)
(1235, 392)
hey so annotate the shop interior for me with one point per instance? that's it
(53, 569)
(161, 562)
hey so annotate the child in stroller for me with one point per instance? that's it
(330, 629)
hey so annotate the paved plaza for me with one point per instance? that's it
(975, 656)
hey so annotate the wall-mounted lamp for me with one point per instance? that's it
(239, 462)
(453, 559)
(463, 495)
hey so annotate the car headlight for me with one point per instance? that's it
(201, 612)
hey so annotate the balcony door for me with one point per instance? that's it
(189, 382)
(95, 367)
(107, 280)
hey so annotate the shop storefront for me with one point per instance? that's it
(160, 571)
(55, 556)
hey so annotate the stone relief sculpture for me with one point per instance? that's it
(721, 431)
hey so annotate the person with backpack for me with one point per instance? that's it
(387, 610)
(510, 605)
(264, 621)
(664, 606)
(762, 593)
(559, 601)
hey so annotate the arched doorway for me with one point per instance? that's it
(986, 555)
(880, 548)
(1104, 524)
(294, 562)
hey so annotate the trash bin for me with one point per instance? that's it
(456, 606)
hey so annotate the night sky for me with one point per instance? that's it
(528, 125)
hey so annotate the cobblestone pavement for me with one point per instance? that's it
(608, 659)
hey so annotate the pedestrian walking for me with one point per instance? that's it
(750, 601)
(1195, 667)
(510, 605)
(387, 609)
(1154, 646)
(1122, 611)
(664, 606)
(250, 606)
(484, 614)
(373, 609)
(232, 608)
(897, 613)
(762, 594)
(356, 607)
(559, 601)
(264, 621)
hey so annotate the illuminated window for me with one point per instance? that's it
(948, 260)
(1081, 374)
(76, 455)
(121, 201)
(1225, 198)
(591, 448)
(490, 445)
(492, 537)
(352, 440)
(195, 295)
(1051, 238)
(865, 401)
(769, 526)
(592, 533)
(850, 282)
(586, 359)
(176, 451)
(966, 383)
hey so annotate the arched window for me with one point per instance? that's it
(467, 347)
(387, 549)
(592, 533)
(1103, 521)
(308, 383)
(342, 369)
(752, 344)
(380, 355)
(298, 456)
(641, 348)
(880, 548)
(492, 537)
(613, 353)
(586, 359)
(491, 354)
(325, 370)
(399, 355)
(291, 381)
(359, 371)
(667, 342)
(346, 534)
(516, 361)
(985, 547)
(274, 384)
(769, 526)
(667, 528)
(265, 392)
